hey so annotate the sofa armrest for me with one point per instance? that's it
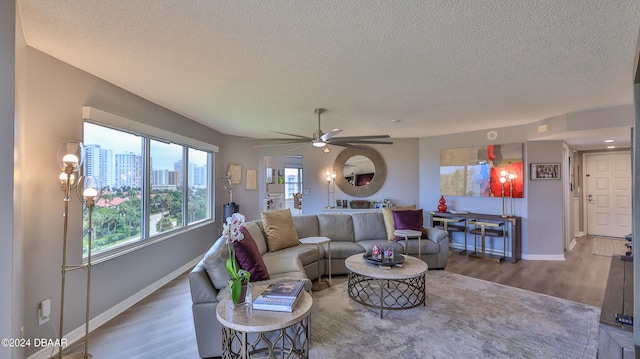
(437, 235)
(202, 291)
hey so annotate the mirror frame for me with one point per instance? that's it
(378, 178)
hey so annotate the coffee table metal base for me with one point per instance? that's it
(390, 294)
(289, 342)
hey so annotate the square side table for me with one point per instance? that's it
(320, 241)
(409, 233)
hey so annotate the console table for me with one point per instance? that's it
(514, 227)
(615, 340)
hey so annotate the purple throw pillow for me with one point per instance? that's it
(409, 219)
(249, 258)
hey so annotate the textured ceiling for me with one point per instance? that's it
(246, 67)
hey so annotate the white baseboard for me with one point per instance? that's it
(460, 246)
(543, 257)
(531, 257)
(572, 244)
(78, 333)
(579, 234)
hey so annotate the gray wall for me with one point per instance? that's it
(544, 202)
(430, 176)
(401, 184)
(54, 93)
(10, 320)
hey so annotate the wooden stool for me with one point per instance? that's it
(498, 229)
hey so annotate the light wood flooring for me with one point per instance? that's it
(582, 277)
(161, 325)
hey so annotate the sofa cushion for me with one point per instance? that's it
(338, 227)
(278, 225)
(387, 214)
(368, 226)
(255, 230)
(305, 253)
(343, 250)
(214, 263)
(249, 257)
(306, 226)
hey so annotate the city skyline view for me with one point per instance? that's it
(114, 157)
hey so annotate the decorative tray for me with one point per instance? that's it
(397, 259)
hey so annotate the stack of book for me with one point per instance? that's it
(279, 297)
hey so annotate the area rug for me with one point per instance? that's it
(608, 247)
(463, 318)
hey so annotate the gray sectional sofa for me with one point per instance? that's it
(350, 234)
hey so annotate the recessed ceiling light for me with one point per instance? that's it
(611, 147)
(608, 141)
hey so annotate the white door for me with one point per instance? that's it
(608, 194)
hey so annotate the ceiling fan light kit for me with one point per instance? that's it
(321, 139)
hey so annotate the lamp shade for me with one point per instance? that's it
(92, 189)
(70, 153)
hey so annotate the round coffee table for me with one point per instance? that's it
(391, 288)
(272, 333)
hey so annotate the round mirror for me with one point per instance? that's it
(359, 172)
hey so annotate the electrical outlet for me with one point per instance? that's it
(44, 311)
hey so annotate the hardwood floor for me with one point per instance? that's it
(582, 277)
(161, 325)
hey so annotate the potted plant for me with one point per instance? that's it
(232, 232)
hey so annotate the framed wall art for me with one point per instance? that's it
(545, 171)
(476, 171)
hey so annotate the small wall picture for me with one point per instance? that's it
(545, 171)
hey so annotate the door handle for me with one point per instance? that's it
(589, 198)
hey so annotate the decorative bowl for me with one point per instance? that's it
(360, 204)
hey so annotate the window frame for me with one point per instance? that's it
(148, 133)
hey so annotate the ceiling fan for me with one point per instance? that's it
(321, 139)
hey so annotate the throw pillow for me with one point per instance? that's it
(249, 258)
(278, 226)
(387, 215)
(410, 219)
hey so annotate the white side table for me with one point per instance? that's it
(409, 233)
(320, 241)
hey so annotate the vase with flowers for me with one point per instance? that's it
(232, 232)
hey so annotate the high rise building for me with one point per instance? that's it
(128, 170)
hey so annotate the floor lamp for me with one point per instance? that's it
(70, 157)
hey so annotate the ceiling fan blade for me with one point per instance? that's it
(348, 145)
(330, 134)
(349, 138)
(363, 142)
(297, 147)
(291, 134)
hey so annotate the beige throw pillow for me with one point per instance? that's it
(278, 226)
(389, 224)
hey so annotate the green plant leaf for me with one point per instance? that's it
(231, 269)
(236, 287)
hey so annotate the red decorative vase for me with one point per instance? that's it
(442, 207)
